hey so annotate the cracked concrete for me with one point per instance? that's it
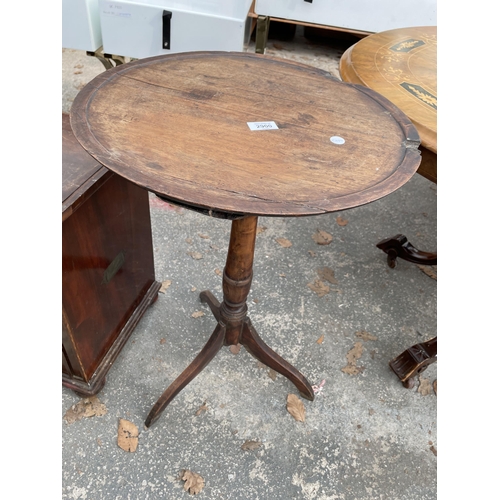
(365, 436)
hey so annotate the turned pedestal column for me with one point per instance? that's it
(233, 324)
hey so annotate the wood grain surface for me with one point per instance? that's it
(78, 166)
(401, 65)
(177, 126)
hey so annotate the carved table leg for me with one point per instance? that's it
(209, 299)
(233, 324)
(211, 348)
(258, 348)
(399, 246)
(414, 361)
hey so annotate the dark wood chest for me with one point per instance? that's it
(108, 278)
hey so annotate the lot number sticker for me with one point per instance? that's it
(262, 125)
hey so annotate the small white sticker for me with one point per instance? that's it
(337, 140)
(262, 126)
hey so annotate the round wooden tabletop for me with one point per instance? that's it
(182, 126)
(401, 65)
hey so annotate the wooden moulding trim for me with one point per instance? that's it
(411, 133)
(97, 380)
(84, 192)
(72, 357)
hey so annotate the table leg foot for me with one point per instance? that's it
(206, 355)
(208, 298)
(399, 246)
(414, 361)
(257, 347)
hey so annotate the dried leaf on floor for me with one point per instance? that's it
(195, 255)
(311, 253)
(204, 236)
(193, 289)
(201, 409)
(435, 387)
(194, 483)
(425, 386)
(272, 374)
(197, 314)
(85, 408)
(164, 285)
(261, 229)
(189, 241)
(128, 435)
(341, 221)
(235, 348)
(322, 237)
(296, 408)
(365, 335)
(320, 340)
(250, 445)
(319, 288)
(284, 242)
(327, 274)
(433, 449)
(352, 357)
(218, 272)
(162, 341)
(431, 271)
(355, 353)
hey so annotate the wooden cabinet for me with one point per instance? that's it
(108, 278)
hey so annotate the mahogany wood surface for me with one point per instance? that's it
(400, 64)
(107, 265)
(410, 363)
(399, 246)
(177, 125)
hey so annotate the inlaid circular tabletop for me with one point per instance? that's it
(244, 133)
(400, 64)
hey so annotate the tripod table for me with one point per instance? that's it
(401, 64)
(237, 136)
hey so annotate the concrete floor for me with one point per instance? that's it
(365, 436)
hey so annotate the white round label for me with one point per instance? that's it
(337, 140)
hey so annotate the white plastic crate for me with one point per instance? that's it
(81, 25)
(144, 28)
(360, 15)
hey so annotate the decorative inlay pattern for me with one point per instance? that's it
(421, 94)
(407, 45)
